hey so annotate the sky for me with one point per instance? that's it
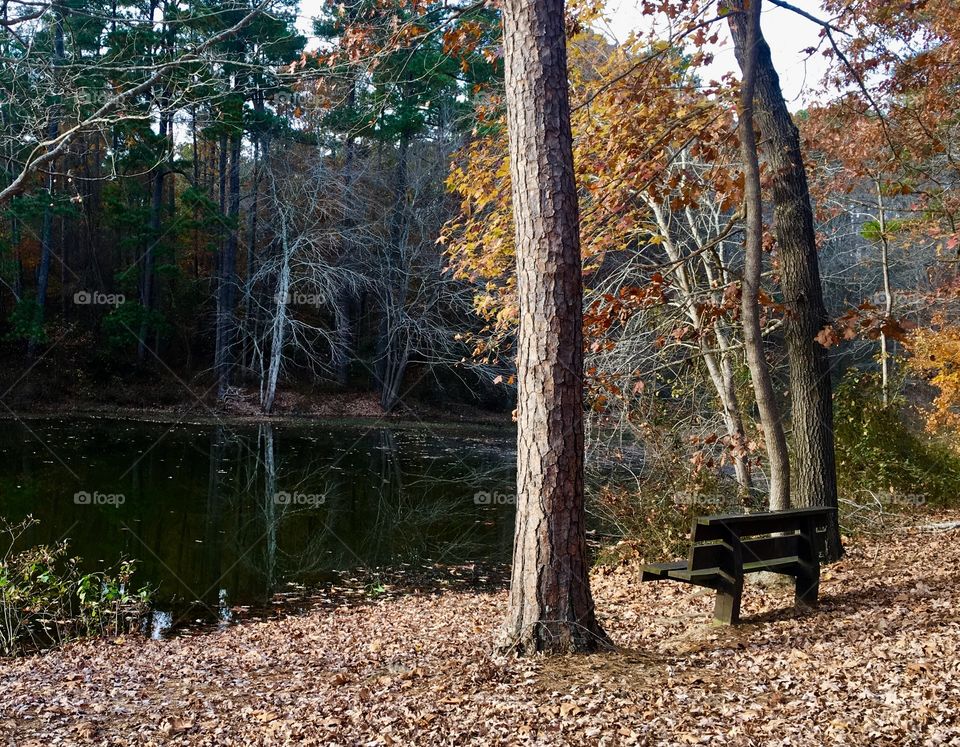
(786, 32)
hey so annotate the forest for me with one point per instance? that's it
(364, 360)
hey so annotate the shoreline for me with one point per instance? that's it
(213, 416)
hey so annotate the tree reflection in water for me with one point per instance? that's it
(223, 517)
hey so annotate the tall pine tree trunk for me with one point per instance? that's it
(156, 223)
(249, 314)
(220, 324)
(46, 229)
(815, 472)
(551, 607)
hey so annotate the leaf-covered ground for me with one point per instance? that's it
(878, 664)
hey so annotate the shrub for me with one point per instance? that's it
(45, 599)
(652, 509)
(881, 457)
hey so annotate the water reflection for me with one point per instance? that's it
(222, 517)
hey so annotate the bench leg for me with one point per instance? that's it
(726, 610)
(807, 588)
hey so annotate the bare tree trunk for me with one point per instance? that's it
(776, 442)
(279, 326)
(344, 311)
(219, 354)
(815, 476)
(147, 270)
(551, 607)
(252, 221)
(195, 148)
(718, 368)
(226, 324)
(393, 351)
(887, 293)
(346, 303)
(148, 281)
(721, 374)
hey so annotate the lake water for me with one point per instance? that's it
(223, 516)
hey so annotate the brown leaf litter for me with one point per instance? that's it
(877, 664)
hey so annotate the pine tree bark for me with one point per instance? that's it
(147, 271)
(770, 420)
(815, 472)
(550, 607)
(221, 291)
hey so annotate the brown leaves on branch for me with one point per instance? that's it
(635, 111)
(866, 321)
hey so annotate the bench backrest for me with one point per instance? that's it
(716, 541)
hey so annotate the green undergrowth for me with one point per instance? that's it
(884, 457)
(889, 471)
(46, 599)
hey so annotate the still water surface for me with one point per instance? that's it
(224, 516)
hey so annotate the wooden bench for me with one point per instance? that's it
(725, 548)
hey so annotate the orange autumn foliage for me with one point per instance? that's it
(635, 109)
(936, 356)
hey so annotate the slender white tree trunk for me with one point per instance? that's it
(278, 328)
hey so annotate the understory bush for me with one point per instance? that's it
(45, 598)
(652, 510)
(655, 524)
(887, 468)
(882, 458)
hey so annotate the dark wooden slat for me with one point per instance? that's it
(710, 555)
(720, 554)
(772, 548)
(660, 571)
(798, 513)
(789, 565)
(705, 576)
(718, 528)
